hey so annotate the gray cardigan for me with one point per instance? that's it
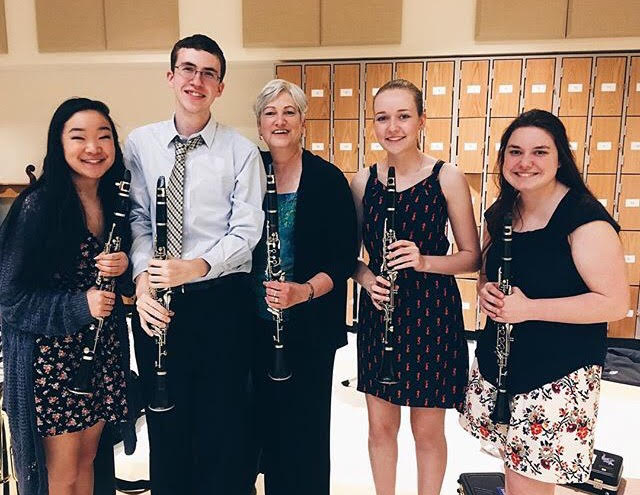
(25, 313)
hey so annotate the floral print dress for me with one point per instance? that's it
(57, 359)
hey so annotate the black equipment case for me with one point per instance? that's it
(480, 483)
(605, 476)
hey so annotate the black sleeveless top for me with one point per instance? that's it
(542, 267)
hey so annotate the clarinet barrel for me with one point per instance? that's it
(501, 413)
(386, 372)
(81, 381)
(160, 398)
(279, 370)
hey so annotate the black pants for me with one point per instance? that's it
(201, 446)
(292, 418)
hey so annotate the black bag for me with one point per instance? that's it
(480, 483)
(605, 476)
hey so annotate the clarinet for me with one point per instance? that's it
(81, 381)
(386, 372)
(279, 370)
(160, 401)
(501, 413)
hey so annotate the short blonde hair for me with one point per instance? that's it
(273, 89)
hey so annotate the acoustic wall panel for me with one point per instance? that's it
(289, 23)
(70, 25)
(520, 20)
(603, 19)
(357, 22)
(141, 25)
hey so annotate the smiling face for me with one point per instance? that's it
(396, 123)
(195, 95)
(88, 145)
(281, 124)
(530, 159)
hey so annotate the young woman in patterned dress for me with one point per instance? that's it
(51, 253)
(430, 356)
(568, 280)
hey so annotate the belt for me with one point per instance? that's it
(209, 284)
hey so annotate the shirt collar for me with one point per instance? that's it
(208, 133)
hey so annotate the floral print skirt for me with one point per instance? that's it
(551, 432)
(56, 361)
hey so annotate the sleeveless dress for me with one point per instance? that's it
(430, 351)
(57, 359)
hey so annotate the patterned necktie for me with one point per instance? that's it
(175, 194)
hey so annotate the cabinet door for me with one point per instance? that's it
(626, 328)
(575, 86)
(346, 91)
(469, 297)
(470, 145)
(505, 91)
(473, 88)
(631, 246)
(475, 187)
(439, 93)
(538, 83)
(497, 127)
(373, 151)
(609, 85)
(603, 148)
(603, 188)
(376, 75)
(631, 150)
(437, 140)
(317, 138)
(291, 73)
(577, 133)
(345, 145)
(317, 88)
(412, 72)
(492, 189)
(629, 206)
(634, 88)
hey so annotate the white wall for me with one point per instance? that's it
(132, 83)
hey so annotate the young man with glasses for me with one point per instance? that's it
(215, 185)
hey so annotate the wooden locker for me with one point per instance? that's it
(492, 189)
(373, 151)
(473, 88)
(469, 296)
(470, 145)
(411, 71)
(603, 188)
(577, 133)
(291, 73)
(497, 127)
(317, 87)
(575, 86)
(346, 91)
(317, 138)
(538, 84)
(505, 91)
(437, 138)
(345, 145)
(603, 147)
(631, 246)
(475, 187)
(439, 93)
(626, 328)
(609, 85)
(375, 76)
(631, 150)
(633, 107)
(629, 203)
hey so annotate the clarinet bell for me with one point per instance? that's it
(279, 371)
(81, 381)
(386, 373)
(501, 413)
(160, 401)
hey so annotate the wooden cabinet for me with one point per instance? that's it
(317, 138)
(470, 153)
(376, 75)
(603, 148)
(575, 86)
(609, 85)
(437, 138)
(577, 133)
(603, 188)
(505, 91)
(538, 83)
(345, 145)
(317, 86)
(439, 92)
(629, 204)
(346, 91)
(291, 73)
(473, 88)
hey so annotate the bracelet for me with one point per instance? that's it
(312, 293)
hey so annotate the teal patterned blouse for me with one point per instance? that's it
(286, 223)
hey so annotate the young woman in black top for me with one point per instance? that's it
(568, 281)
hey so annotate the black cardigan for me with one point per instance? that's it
(325, 240)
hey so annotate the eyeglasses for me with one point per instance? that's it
(189, 72)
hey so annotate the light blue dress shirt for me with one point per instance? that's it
(223, 191)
